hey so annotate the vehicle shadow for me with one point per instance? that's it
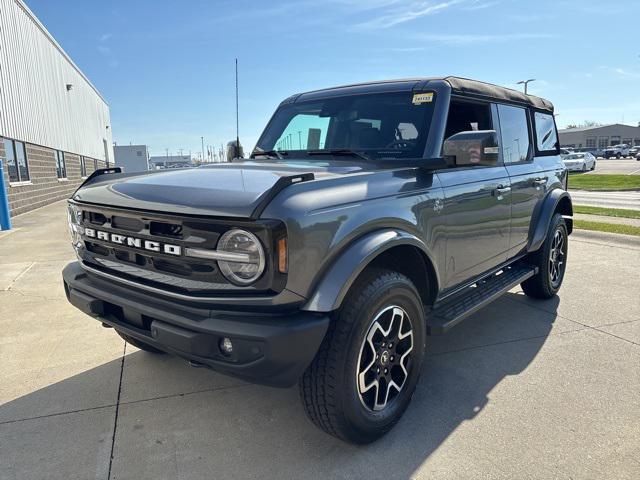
(172, 415)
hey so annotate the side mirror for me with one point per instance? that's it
(475, 147)
(234, 150)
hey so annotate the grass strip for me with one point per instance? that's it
(604, 182)
(606, 227)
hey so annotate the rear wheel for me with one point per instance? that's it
(367, 368)
(551, 260)
(139, 343)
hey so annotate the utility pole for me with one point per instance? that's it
(525, 83)
(237, 114)
(202, 140)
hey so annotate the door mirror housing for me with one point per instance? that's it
(474, 147)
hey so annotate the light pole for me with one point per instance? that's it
(202, 140)
(525, 83)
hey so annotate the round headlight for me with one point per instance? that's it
(245, 262)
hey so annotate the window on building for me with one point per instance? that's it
(615, 140)
(61, 166)
(591, 142)
(546, 136)
(17, 164)
(83, 166)
(636, 142)
(603, 142)
(139, 153)
(514, 130)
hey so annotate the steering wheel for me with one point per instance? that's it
(400, 144)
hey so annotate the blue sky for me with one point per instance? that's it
(166, 67)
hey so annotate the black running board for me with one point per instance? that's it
(448, 313)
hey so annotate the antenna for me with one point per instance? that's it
(237, 114)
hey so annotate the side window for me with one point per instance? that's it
(61, 166)
(514, 132)
(465, 116)
(546, 137)
(10, 155)
(17, 164)
(83, 166)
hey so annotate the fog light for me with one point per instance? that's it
(226, 346)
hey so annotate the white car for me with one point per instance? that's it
(579, 162)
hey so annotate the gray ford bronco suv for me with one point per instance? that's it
(367, 217)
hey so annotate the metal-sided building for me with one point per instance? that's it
(54, 124)
(131, 158)
(599, 137)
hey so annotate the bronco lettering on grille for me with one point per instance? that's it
(127, 241)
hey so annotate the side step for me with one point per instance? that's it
(451, 311)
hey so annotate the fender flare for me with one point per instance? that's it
(336, 281)
(543, 215)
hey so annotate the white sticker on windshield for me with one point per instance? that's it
(419, 98)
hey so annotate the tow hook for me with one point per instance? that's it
(106, 325)
(195, 364)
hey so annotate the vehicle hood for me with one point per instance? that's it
(225, 190)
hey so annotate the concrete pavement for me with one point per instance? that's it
(523, 389)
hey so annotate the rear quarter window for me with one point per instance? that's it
(546, 135)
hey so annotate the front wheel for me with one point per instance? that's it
(551, 260)
(366, 370)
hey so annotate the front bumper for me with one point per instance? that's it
(268, 348)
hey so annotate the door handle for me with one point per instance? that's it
(501, 190)
(540, 181)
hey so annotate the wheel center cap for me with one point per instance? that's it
(384, 357)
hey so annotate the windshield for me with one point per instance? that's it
(574, 156)
(380, 125)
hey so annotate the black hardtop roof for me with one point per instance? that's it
(458, 85)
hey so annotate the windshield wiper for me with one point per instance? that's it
(279, 154)
(339, 151)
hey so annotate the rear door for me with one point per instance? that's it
(525, 175)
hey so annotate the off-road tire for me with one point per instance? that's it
(139, 343)
(329, 389)
(540, 285)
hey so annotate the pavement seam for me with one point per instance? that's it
(608, 333)
(130, 402)
(475, 347)
(186, 394)
(20, 275)
(57, 414)
(115, 417)
(597, 329)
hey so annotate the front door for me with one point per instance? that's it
(478, 212)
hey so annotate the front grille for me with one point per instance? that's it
(178, 273)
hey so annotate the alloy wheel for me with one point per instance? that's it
(384, 362)
(557, 257)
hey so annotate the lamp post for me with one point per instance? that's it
(525, 83)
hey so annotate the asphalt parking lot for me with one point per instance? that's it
(629, 166)
(522, 389)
